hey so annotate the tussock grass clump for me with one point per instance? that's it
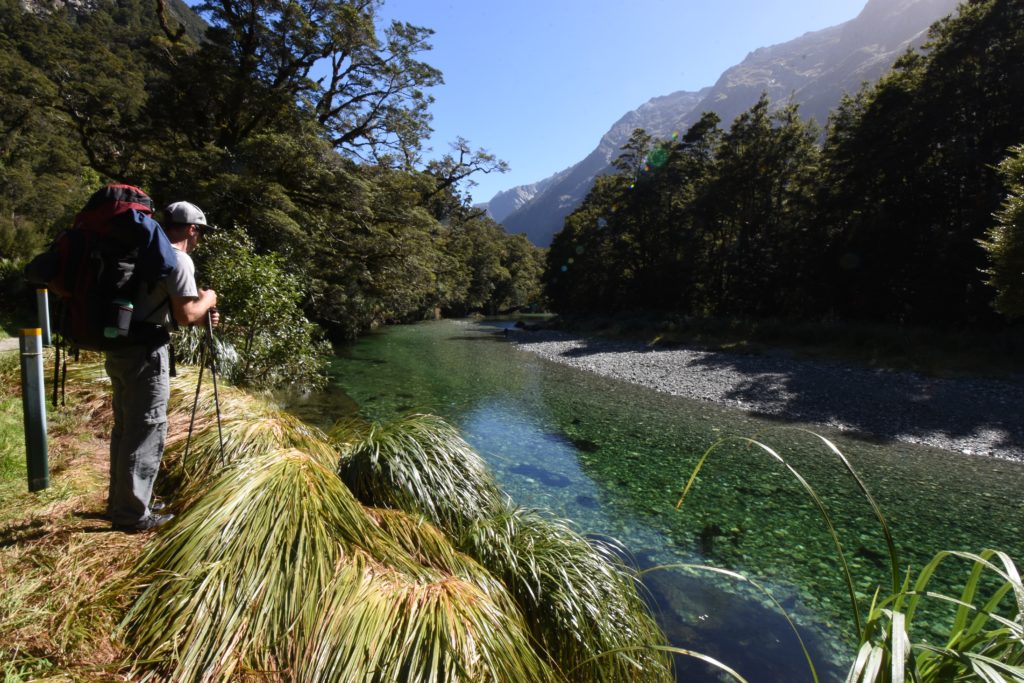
(279, 567)
(262, 431)
(430, 547)
(418, 464)
(277, 570)
(224, 587)
(386, 627)
(580, 600)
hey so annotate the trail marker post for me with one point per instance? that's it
(33, 403)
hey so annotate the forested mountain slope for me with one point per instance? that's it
(814, 71)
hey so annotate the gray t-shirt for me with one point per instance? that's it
(153, 305)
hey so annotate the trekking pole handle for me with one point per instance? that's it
(209, 319)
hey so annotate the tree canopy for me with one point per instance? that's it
(885, 220)
(297, 126)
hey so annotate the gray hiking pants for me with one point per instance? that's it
(141, 386)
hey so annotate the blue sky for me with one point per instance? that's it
(538, 82)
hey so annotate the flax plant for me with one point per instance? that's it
(981, 644)
(984, 642)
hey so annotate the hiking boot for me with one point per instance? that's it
(155, 506)
(145, 524)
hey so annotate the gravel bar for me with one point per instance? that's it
(976, 416)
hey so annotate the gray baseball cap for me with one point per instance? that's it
(184, 213)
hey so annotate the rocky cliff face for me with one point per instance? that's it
(814, 70)
(508, 202)
(542, 216)
(177, 11)
(48, 6)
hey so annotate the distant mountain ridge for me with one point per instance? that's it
(814, 70)
(508, 202)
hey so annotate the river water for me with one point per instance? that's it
(613, 457)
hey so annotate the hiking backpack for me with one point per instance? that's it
(96, 267)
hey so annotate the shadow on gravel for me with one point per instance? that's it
(872, 404)
(878, 402)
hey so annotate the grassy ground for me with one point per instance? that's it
(929, 351)
(56, 552)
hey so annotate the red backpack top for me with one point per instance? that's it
(113, 247)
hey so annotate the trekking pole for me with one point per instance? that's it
(195, 403)
(213, 372)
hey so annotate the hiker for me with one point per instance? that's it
(140, 376)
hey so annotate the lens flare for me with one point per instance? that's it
(657, 157)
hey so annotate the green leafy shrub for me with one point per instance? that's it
(264, 336)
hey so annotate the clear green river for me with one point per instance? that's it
(613, 457)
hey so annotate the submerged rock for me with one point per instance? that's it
(542, 475)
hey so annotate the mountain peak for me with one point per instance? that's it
(813, 70)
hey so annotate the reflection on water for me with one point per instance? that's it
(613, 457)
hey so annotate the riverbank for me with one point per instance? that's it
(975, 416)
(87, 603)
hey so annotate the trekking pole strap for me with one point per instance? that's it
(213, 374)
(64, 380)
(195, 404)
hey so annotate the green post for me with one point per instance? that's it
(43, 307)
(33, 404)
